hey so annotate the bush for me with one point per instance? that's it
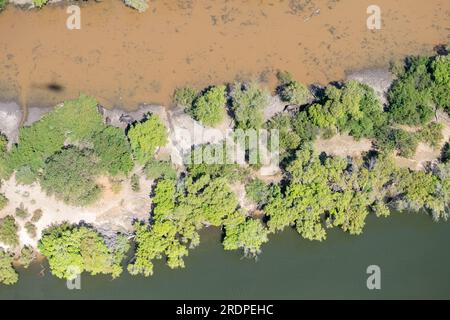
(27, 256)
(40, 3)
(248, 104)
(410, 97)
(31, 229)
(71, 250)
(25, 175)
(73, 121)
(209, 108)
(431, 134)
(8, 231)
(185, 96)
(37, 215)
(159, 169)
(257, 191)
(113, 149)
(8, 275)
(3, 4)
(70, 176)
(3, 201)
(145, 137)
(139, 5)
(294, 93)
(135, 184)
(21, 212)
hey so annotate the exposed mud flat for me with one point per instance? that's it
(125, 59)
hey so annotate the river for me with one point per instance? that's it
(124, 58)
(410, 249)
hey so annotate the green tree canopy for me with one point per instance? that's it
(209, 108)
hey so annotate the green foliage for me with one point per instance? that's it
(164, 199)
(114, 151)
(212, 160)
(294, 92)
(135, 183)
(157, 169)
(26, 176)
(21, 212)
(431, 134)
(249, 236)
(354, 108)
(139, 5)
(410, 97)
(5, 169)
(209, 108)
(70, 176)
(441, 75)
(40, 3)
(390, 139)
(257, 191)
(73, 121)
(321, 193)
(8, 231)
(27, 256)
(31, 229)
(185, 97)
(8, 275)
(3, 201)
(248, 104)
(145, 137)
(71, 250)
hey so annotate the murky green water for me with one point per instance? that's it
(411, 250)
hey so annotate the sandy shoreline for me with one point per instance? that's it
(116, 211)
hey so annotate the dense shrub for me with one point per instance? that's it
(31, 229)
(257, 191)
(73, 121)
(145, 137)
(248, 236)
(8, 275)
(185, 97)
(114, 151)
(8, 231)
(295, 93)
(27, 256)
(209, 108)
(411, 95)
(248, 103)
(71, 250)
(70, 176)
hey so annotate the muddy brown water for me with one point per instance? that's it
(124, 58)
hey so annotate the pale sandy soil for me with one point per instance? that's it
(342, 145)
(424, 152)
(112, 211)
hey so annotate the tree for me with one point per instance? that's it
(185, 97)
(248, 104)
(145, 137)
(248, 236)
(209, 108)
(294, 92)
(8, 231)
(74, 121)
(8, 275)
(70, 176)
(71, 250)
(114, 151)
(441, 75)
(257, 191)
(410, 96)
